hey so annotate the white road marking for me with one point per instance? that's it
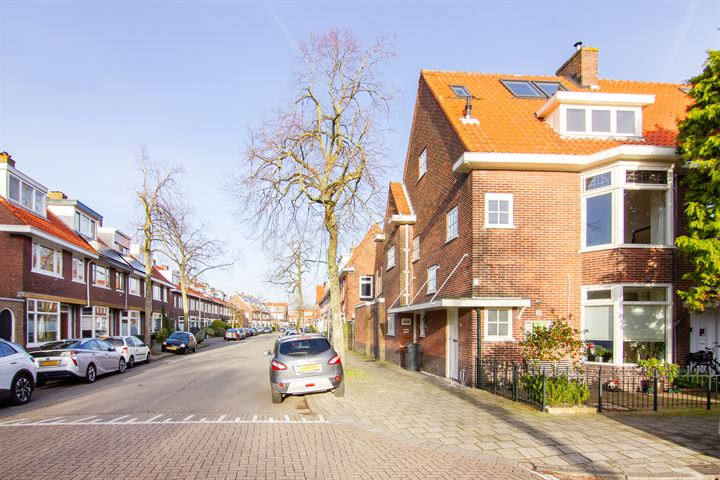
(159, 420)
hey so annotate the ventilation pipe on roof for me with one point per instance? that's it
(468, 107)
(577, 45)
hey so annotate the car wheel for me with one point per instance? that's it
(339, 392)
(122, 366)
(21, 389)
(90, 374)
(276, 396)
(131, 362)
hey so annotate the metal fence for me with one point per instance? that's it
(602, 387)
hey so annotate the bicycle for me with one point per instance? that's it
(702, 362)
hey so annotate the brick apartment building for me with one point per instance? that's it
(65, 275)
(527, 195)
(256, 312)
(279, 315)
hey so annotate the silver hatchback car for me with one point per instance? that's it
(77, 359)
(304, 364)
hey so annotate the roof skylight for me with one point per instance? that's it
(532, 89)
(461, 91)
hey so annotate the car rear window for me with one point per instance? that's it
(304, 347)
(115, 341)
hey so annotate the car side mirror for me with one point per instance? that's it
(267, 353)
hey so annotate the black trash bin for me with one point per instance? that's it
(413, 353)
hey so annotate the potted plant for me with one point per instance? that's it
(601, 353)
(665, 371)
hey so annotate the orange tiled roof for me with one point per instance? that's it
(51, 225)
(508, 124)
(401, 202)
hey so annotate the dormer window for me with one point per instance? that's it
(595, 114)
(85, 225)
(26, 195)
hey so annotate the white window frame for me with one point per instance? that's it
(422, 163)
(91, 224)
(432, 279)
(364, 281)
(94, 276)
(502, 197)
(31, 316)
(132, 291)
(452, 224)
(120, 276)
(96, 313)
(129, 317)
(617, 189)
(416, 249)
(617, 302)
(157, 292)
(37, 197)
(156, 322)
(588, 109)
(531, 324)
(78, 270)
(391, 320)
(390, 257)
(422, 324)
(499, 338)
(57, 261)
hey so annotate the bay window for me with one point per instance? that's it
(43, 321)
(626, 206)
(627, 323)
(47, 261)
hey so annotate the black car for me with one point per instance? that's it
(180, 342)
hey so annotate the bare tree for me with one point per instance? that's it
(323, 152)
(158, 181)
(289, 271)
(187, 245)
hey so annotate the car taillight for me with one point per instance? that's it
(125, 350)
(334, 360)
(278, 366)
(73, 357)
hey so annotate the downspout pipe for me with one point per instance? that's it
(478, 358)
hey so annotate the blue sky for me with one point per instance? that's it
(84, 83)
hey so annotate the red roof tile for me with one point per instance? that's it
(509, 125)
(51, 225)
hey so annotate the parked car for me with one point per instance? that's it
(250, 331)
(289, 332)
(234, 334)
(78, 359)
(18, 373)
(131, 348)
(183, 342)
(267, 330)
(304, 364)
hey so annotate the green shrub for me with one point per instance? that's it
(161, 335)
(560, 391)
(691, 381)
(219, 327)
(210, 332)
(664, 369)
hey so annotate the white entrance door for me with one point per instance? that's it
(452, 343)
(706, 331)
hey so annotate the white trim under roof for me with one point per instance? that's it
(478, 302)
(572, 163)
(596, 99)
(407, 199)
(28, 230)
(403, 219)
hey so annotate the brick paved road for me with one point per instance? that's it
(405, 406)
(207, 415)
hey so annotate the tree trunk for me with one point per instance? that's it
(186, 307)
(337, 333)
(300, 301)
(148, 282)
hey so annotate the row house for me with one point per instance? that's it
(254, 310)
(278, 313)
(205, 304)
(306, 316)
(524, 197)
(64, 274)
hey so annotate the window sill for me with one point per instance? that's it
(82, 282)
(46, 273)
(101, 286)
(451, 239)
(626, 245)
(501, 227)
(499, 339)
(389, 268)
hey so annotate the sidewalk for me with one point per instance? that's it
(421, 409)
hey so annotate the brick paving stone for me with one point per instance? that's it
(615, 444)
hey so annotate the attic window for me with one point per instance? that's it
(461, 91)
(532, 89)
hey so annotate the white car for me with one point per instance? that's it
(131, 348)
(18, 373)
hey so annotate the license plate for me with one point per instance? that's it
(315, 367)
(171, 348)
(49, 363)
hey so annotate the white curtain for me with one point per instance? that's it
(657, 217)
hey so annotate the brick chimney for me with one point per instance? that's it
(581, 67)
(57, 195)
(6, 158)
